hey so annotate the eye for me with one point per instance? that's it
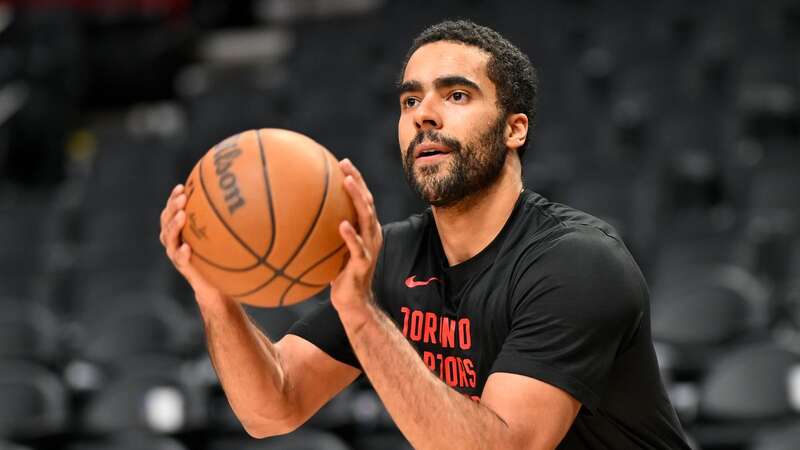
(459, 97)
(409, 102)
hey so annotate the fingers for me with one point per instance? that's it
(175, 203)
(350, 169)
(168, 210)
(173, 217)
(364, 212)
(361, 196)
(182, 256)
(172, 233)
(180, 253)
(359, 254)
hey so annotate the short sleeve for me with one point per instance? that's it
(575, 307)
(323, 328)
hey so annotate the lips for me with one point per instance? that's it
(430, 149)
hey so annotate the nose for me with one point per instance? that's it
(426, 116)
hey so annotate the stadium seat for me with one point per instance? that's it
(147, 393)
(8, 445)
(547, 166)
(302, 439)
(129, 441)
(687, 252)
(774, 213)
(790, 291)
(771, 193)
(245, 107)
(780, 438)
(753, 382)
(20, 230)
(750, 390)
(34, 402)
(767, 107)
(384, 441)
(776, 153)
(608, 199)
(28, 331)
(136, 225)
(89, 290)
(697, 322)
(137, 322)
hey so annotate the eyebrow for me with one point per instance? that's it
(439, 83)
(408, 86)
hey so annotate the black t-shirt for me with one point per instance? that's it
(556, 296)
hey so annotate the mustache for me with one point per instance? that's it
(434, 137)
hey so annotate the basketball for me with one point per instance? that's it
(263, 210)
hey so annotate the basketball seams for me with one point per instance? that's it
(190, 188)
(295, 280)
(220, 218)
(320, 261)
(259, 259)
(291, 282)
(314, 222)
(300, 281)
(268, 188)
(226, 269)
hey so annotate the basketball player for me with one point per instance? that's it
(493, 320)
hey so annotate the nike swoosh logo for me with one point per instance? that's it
(412, 283)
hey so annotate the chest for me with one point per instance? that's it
(458, 333)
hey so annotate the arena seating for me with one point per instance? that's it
(677, 122)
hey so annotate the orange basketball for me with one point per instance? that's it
(263, 210)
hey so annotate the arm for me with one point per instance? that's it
(272, 388)
(515, 411)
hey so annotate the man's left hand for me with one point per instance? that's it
(351, 291)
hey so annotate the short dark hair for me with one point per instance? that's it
(509, 69)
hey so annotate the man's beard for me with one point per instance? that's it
(472, 167)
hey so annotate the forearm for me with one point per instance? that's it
(249, 368)
(429, 413)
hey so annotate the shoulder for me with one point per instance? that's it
(578, 246)
(582, 278)
(558, 232)
(575, 259)
(581, 254)
(543, 217)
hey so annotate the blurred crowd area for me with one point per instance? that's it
(676, 121)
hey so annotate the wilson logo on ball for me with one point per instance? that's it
(282, 248)
(224, 155)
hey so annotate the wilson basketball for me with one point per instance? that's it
(263, 210)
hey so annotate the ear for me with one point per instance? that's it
(516, 130)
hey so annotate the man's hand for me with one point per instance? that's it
(173, 217)
(351, 291)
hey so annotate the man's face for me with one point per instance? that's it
(450, 130)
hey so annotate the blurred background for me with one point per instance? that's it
(676, 121)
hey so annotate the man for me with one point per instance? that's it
(495, 319)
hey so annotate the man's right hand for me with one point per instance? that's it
(173, 217)
(272, 388)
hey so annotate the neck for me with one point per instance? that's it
(471, 225)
